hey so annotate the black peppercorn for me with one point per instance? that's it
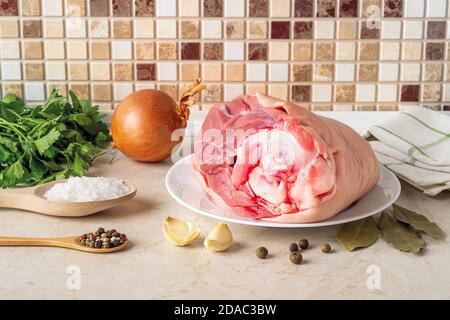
(326, 248)
(296, 257)
(303, 244)
(293, 247)
(262, 252)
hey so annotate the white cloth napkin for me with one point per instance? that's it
(415, 145)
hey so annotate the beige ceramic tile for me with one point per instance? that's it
(100, 50)
(78, 71)
(302, 51)
(212, 71)
(189, 71)
(234, 72)
(145, 50)
(32, 50)
(123, 71)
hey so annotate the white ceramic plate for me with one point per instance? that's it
(184, 186)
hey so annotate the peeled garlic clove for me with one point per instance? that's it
(179, 232)
(219, 239)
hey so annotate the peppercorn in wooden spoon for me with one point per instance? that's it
(99, 242)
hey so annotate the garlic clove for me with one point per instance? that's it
(179, 232)
(220, 238)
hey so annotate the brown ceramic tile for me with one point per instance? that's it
(101, 92)
(326, 8)
(348, 8)
(410, 92)
(436, 30)
(324, 51)
(322, 107)
(99, 8)
(170, 89)
(257, 8)
(145, 50)
(369, 33)
(167, 50)
(303, 8)
(280, 29)
(15, 88)
(301, 72)
(122, 29)
(368, 72)
(303, 30)
(434, 51)
(190, 51)
(100, 51)
(368, 51)
(235, 29)
(213, 8)
(366, 6)
(75, 8)
(32, 28)
(257, 51)
(323, 72)
(34, 71)
(81, 90)
(446, 108)
(345, 93)
(431, 92)
(190, 29)
(123, 71)
(121, 8)
(433, 72)
(146, 71)
(301, 93)
(387, 107)
(212, 51)
(393, 8)
(144, 8)
(8, 8)
(32, 50)
(366, 107)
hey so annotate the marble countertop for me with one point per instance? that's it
(151, 268)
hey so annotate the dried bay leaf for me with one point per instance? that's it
(400, 236)
(358, 234)
(418, 222)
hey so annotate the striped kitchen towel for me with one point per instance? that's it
(415, 145)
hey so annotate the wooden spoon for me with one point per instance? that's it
(66, 242)
(32, 199)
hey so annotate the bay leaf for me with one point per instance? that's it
(358, 234)
(418, 222)
(399, 235)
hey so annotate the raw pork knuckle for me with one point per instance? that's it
(269, 159)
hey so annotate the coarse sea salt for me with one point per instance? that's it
(78, 189)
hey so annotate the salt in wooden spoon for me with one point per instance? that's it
(66, 242)
(32, 199)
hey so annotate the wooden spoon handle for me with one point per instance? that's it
(48, 242)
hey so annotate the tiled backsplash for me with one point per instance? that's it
(324, 54)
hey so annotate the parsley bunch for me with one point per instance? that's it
(48, 142)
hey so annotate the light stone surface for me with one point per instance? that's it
(151, 268)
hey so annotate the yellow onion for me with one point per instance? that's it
(143, 123)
